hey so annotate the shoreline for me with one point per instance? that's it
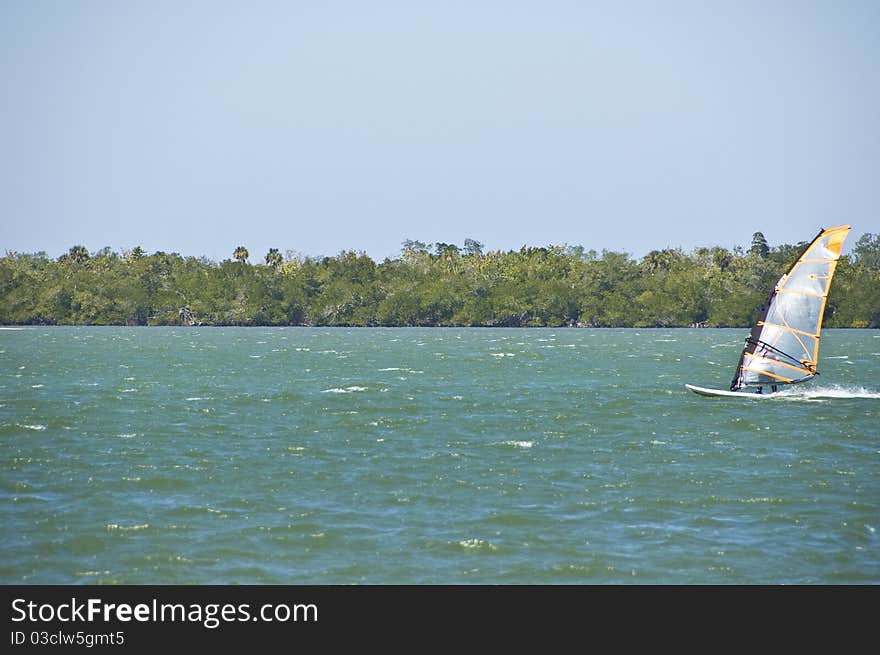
(22, 326)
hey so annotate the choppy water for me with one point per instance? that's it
(294, 456)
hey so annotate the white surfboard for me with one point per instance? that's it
(721, 393)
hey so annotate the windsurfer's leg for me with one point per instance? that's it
(760, 390)
(773, 388)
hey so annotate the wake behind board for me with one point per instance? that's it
(721, 393)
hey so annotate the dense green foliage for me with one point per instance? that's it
(436, 285)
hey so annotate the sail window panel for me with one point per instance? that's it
(798, 347)
(798, 312)
(752, 377)
(808, 277)
(769, 368)
(761, 371)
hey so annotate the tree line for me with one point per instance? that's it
(436, 284)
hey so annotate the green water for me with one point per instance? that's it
(428, 456)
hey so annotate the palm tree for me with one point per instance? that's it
(661, 260)
(241, 254)
(274, 258)
(472, 247)
(759, 245)
(78, 254)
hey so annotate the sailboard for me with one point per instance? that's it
(783, 346)
(723, 393)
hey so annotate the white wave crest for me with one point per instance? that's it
(477, 544)
(126, 528)
(351, 389)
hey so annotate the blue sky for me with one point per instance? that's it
(323, 126)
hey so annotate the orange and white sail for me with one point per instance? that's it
(783, 347)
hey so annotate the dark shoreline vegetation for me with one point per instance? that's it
(427, 285)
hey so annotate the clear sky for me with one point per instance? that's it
(321, 126)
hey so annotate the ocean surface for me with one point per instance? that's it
(430, 456)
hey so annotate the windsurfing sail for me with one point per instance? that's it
(783, 347)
